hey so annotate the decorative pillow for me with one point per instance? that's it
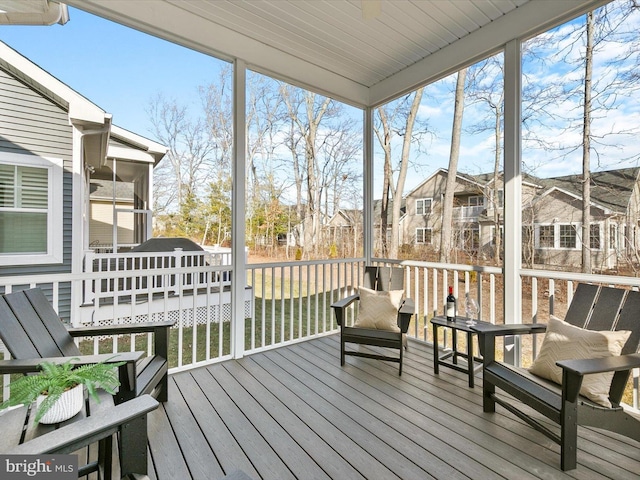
(379, 310)
(563, 341)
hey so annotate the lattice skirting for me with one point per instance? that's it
(186, 319)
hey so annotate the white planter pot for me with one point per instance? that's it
(68, 405)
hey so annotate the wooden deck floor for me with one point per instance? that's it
(294, 413)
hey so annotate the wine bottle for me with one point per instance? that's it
(451, 306)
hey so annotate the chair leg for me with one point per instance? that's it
(568, 435)
(488, 403)
(163, 389)
(341, 349)
(401, 357)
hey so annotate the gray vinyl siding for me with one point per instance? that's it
(33, 124)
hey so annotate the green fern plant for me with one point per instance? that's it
(54, 379)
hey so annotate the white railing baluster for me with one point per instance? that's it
(163, 286)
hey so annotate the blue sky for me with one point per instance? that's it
(115, 67)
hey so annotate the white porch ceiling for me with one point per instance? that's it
(328, 46)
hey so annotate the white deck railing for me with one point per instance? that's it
(287, 302)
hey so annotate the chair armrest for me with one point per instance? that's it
(600, 365)
(488, 332)
(406, 311)
(160, 332)
(31, 365)
(340, 306)
(120, 329)
(573, 372)
(508, 329)
(88, 430)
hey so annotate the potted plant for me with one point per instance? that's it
(58, 388)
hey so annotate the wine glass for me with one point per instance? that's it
(471, 310)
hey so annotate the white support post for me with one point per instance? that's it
(513, 196)
(238, 209)
(367, 169)
(79, 221)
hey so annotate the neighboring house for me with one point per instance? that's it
(344, 232)
(378, 228)
(56, 149)
(557, 219)
(552, 216)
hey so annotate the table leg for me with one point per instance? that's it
(470, 358)
(454, 346)
(436, 354)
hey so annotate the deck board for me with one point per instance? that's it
(294, 413)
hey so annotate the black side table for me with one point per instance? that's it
(450, 359)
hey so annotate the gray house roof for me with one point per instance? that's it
(610, 188)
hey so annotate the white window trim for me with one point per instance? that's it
(423, 200)
(54, 214)
(615, 245)
(537, 236)
(576, 229)
(425, 229)
(600, 230)
(477, 198)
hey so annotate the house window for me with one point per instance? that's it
(423, 206)
(30, 210)
(613, 237)
(423, 235)
(568, 237)
(493, 235)
(594, 236)
(476, 201)
(546, 236)
(470, 239)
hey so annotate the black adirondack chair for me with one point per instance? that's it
(594, 308)
(32, 332)
(128, 421)
(380, 279)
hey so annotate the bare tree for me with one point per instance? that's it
(190, 157)
(398, 119)
(447, 214)
(586, 147)
(323, 145)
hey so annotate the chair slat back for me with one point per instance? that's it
(13, 335)
(606, 310)
(52, 322)
(383, 278)
(581, 305)
(629, 319)
(30, 327)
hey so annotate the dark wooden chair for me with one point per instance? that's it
(380, 279)
(32, 332)
(128, 421)
(594, 308)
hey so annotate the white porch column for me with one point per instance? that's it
(238, 260)
(513, 195)
(79, 220)
(367, 199)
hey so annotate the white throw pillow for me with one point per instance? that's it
(563, 341)
(379, 310)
